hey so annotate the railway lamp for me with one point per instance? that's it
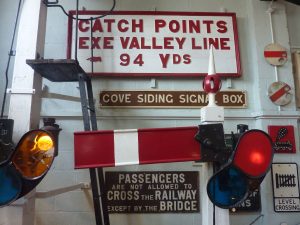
(27, 163)
(244, 171)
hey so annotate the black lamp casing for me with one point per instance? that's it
(297, 2)
(53, 129)
(6, 145)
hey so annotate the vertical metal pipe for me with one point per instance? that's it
(92, 50)
(10, 54)
(270, 11)
(91, 104)
(96, 196)
(84, 102)
(76, 29)
(97, 175)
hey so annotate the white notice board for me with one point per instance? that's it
(285, 187)
(148, 43)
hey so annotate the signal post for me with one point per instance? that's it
(211, 114)
(25, 100)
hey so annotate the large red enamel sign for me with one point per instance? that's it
(128, 43)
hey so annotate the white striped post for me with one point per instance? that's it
(210, 114)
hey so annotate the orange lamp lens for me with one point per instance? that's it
(34, 154)
(45, 143)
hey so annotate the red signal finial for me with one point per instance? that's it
(211, 83)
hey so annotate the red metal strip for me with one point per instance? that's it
(279, 93)
(168, 145)
(94, 149)
(275, 54)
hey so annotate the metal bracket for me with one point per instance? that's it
(47, 194)
(153, 83)
(20, 91)
(47, 94)
(211, 138)
(47, 2)
(12, 53)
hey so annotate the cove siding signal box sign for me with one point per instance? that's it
(169, 99)
(129, 43)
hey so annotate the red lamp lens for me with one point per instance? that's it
(257, 158)
(254, 153)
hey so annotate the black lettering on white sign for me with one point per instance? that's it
(285, 187)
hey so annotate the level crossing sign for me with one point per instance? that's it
(285, 187)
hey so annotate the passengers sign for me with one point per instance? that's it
(153, 192)
(155, 43)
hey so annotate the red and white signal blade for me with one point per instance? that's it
(279, 93)
(137, 146)
(275, 54)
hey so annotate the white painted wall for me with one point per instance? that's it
(254, 33)
(293, 25)
(7, 17)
